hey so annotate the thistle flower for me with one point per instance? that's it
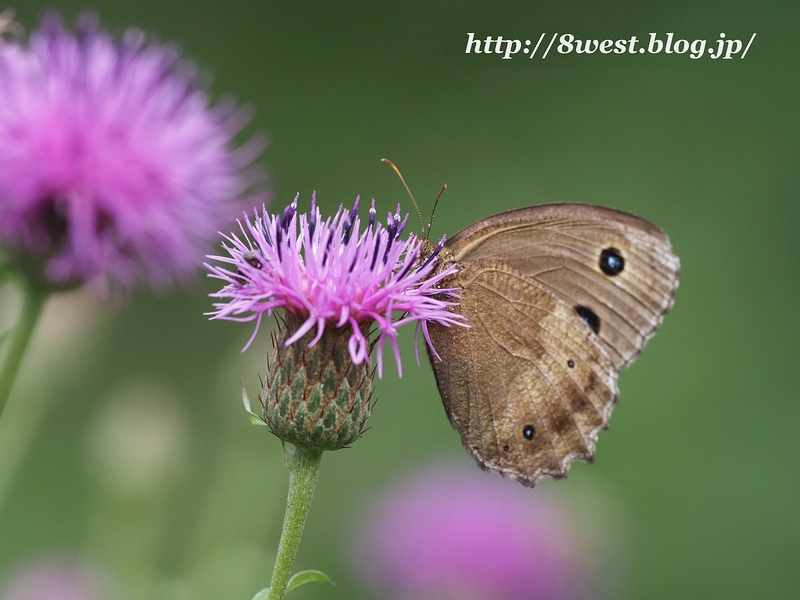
(113, 164)
(336, 283)
(55, 577)
(448, 533)
(332, 274)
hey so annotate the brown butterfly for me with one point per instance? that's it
(558, 297)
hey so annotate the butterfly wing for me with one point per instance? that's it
(549, 329)
(570, 248)
(523, 386)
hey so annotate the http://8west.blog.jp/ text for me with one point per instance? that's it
(724, 47)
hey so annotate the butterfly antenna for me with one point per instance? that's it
(419, 214)
(433, 212)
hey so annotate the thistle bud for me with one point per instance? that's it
(316, 397)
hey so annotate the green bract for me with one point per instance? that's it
(316, 397)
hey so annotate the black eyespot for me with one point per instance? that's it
(611, 262)
(505, 448)
(570, 364)
(528, 432)
(589, 317)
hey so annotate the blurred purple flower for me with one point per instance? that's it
(113, 164)
(55, 579)
(332, 274)
(450, 534)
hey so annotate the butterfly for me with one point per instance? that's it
(558, 298)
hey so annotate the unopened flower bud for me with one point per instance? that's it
(316, 397)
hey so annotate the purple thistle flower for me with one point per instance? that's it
(55, 578)
(332, 274)
(113, 164)
(450, 533)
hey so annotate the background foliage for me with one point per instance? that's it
(695, 488)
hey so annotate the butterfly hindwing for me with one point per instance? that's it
(522, 386)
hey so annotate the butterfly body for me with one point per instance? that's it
(557, 299)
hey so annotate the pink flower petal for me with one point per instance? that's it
(332, 273)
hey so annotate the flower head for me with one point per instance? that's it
(453, 534)
(113, 164)
(55, 577)
(334, 274)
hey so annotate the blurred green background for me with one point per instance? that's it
(696, 485)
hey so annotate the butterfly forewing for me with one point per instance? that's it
(557, 298)
(561, 246)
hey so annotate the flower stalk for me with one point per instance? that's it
(303, 475)
(33, 304)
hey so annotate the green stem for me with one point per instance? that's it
(32, 306)
(302, 480)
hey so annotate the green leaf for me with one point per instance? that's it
(262, 595)
(303, 577)
(298, 579)
(254, 418)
